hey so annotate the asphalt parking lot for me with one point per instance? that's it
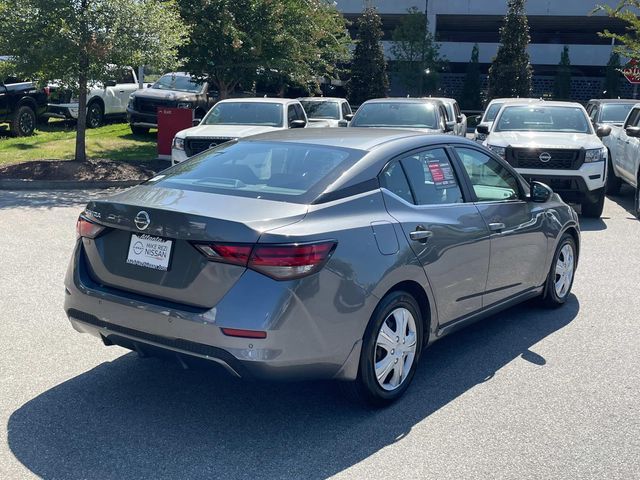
(527, 394)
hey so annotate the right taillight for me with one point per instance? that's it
(281, 262)
(88, 229)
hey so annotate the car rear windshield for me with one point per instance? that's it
(543, 119)
(180, 83)
(390, 114)
(282, 171)
(266, 114)
(615, 112)
(318, 109)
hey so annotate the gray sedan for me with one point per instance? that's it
(318, 253)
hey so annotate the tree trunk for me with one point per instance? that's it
(81, 153)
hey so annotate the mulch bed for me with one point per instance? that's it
(91, 170)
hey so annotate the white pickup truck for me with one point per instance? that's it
(624, 150)
(106, 100)
(555, 143)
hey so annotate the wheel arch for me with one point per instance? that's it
(418, 292)
(28, 102)
(95, 99)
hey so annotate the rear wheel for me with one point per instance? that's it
(390, 351)
(95, 115)
(563, 267)
(592, 207)
(139, 130)
(613, 182)
(23, 122)
(636, 201)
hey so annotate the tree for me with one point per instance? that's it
(628, 43)
(368, 68)
(562, 83)
(235, 42)
(510, 72)
(417, 54)
(612, 77)
(471, 92)
(73, 42)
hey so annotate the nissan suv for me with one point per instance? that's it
(554, 142)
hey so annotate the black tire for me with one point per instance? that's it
(139, 130)
(552, 298)
(636, 200)
(366, 388)
(95, 115)
(613, 182)
(23, 123)
(593, 209)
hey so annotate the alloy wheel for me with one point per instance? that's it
(25, 123)
(565, 267)
(395, 349)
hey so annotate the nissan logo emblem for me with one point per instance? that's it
(545, 157)
(142, 220)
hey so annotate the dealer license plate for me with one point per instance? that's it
(150, 252)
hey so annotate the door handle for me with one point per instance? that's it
(121, 91)
(496, 227)
(421, 235)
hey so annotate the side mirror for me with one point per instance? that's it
(297, 124)
(483, 129)
(540, 193)
(196, 122)
(631, 131)
(459, 119)
(348, 117)
(110, 83)
(449, 126)
(603, 131)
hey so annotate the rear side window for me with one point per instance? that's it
(431, 177)
(393, 179)
(282, 171)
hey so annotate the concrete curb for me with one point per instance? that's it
(17, 184)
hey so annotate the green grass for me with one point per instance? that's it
(56, 141)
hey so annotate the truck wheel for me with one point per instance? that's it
(613, 182)
(23, 122)
(139, 130)
(95, 115)
(593, 209)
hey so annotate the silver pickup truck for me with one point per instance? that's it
(624, 153)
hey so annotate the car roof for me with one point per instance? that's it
(509, 100)
(444, 99)
(259, 100)
(403, 100)
(549, 104)
(366, 139)
(613, 100)
(322, 99)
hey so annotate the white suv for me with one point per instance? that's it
(554, 142)
(236, 118)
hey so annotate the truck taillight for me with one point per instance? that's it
(281, 262)
(88, 229)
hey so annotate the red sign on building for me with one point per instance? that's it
(170, 122)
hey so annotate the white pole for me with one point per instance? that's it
(141, 77)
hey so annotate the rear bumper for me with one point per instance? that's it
(296, 346)
(67, 111)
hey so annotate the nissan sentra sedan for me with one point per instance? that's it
(318, 254)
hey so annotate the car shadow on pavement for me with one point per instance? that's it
(134, 418)
(625, 199)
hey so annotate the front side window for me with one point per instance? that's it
(431, 177)
(396, 114)
(539, 118)
(346, 109)
(633, 118)
(492, 112)
(490, 179)
(245, 113)
(281, 171)
(126, 77)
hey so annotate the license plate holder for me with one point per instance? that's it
(151, 252)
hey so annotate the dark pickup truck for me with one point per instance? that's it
(22, 104)
(177, 90)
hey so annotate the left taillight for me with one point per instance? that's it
(281, 261)
(88, 229)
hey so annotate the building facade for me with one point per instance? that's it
(459, 24)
